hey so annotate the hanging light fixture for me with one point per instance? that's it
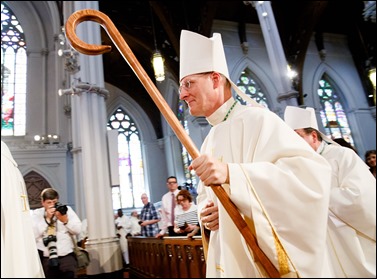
(158, 65)
(157, 59)
(372, 76)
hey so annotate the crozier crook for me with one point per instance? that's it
(99, 17)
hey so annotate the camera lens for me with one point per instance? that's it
(50, 243)
(62, 208)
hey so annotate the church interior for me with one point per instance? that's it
(87, 126)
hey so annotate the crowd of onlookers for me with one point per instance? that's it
(177, 216)
(370, 160)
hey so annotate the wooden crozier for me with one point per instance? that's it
(93, 15)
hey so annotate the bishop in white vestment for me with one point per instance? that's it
(351, 238)
(19, 254)
(278, 183)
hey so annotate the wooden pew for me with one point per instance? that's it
(170, 257)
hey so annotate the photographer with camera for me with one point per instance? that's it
(53, 225)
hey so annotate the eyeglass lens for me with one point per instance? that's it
(185, 85)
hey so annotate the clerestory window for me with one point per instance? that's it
(13, 75)
(131, 167)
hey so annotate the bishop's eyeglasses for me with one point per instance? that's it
(186, 85)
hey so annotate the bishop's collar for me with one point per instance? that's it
(222, 112)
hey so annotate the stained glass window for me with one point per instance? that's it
(131, 167)
(13, 75)
(334, 119)
(251, 88)
(186, 158)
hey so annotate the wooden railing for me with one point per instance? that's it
(170, 257)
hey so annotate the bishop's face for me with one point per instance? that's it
(310, 138)
(200, 94)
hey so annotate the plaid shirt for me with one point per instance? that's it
(149, 212)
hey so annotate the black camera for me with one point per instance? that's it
(185, 225)
(62, 208)
(50, 242)
(140, 222)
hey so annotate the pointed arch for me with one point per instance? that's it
(337, 80)
(120, 100)
(130, 161)
(248, 83)
(333, 116)
(260, 76)
(37, 178)
(329, 96)
(35, 184)
(40, 21)
(13, 74)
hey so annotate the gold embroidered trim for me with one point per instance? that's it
(282, 255)
(218, 267)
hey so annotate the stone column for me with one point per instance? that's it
(90, 151)
(275, 52)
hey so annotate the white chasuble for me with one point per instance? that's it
(352, 215)
(19, 254)
(278, 182)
